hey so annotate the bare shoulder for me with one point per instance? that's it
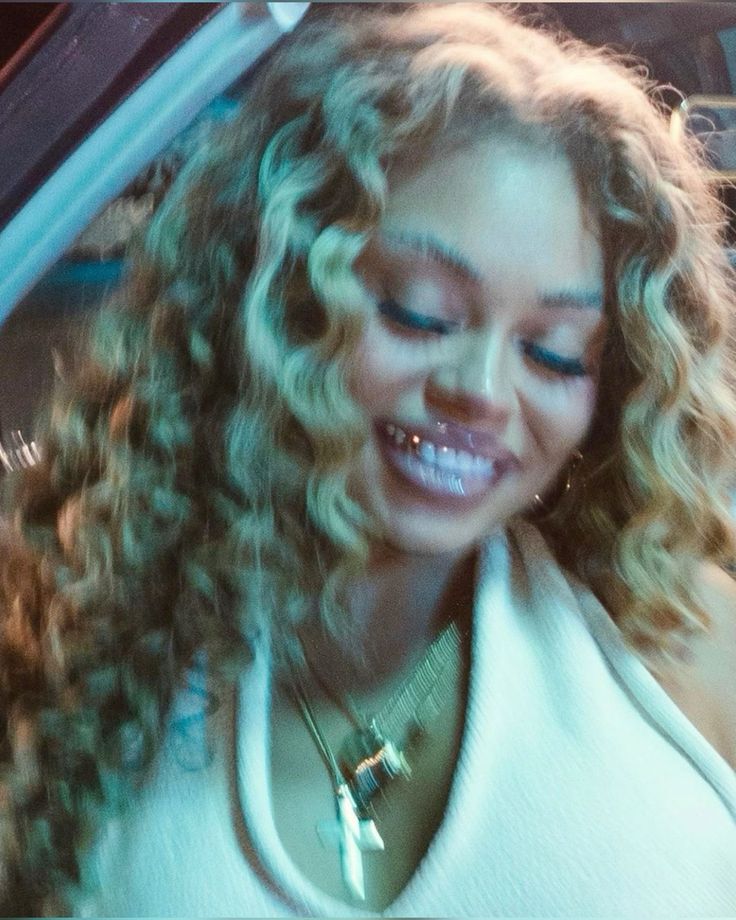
(716, 653)
(716, 590)
(705, 685)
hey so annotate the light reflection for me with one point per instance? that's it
(19, 454)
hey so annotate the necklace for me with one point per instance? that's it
(348, 831)
(374, 753)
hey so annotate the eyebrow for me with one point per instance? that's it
(431, 247)
(586, 300)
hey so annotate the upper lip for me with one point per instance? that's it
(450, 434)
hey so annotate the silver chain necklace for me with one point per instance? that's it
(375, 753)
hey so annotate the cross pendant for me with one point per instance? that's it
(353, 836)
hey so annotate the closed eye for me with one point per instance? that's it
(416, 321)
(567, 367)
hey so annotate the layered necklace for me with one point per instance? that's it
(378, 749)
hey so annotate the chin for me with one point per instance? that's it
(414, 521)
(435, 533)
(427, 545)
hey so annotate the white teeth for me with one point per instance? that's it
(481, 465)
(465, 461)
(447, 459)
(393, 431)
(427, 451)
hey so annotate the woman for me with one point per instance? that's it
(389, 509)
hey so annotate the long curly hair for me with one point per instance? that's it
(193, 490)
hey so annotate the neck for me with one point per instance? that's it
(396, 609)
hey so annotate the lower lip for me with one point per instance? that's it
(451, 488)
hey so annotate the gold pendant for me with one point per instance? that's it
(368, 761)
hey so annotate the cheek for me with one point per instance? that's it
(384, 371)
(373, 378)
(559, 415)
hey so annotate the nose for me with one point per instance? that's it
(473, 388)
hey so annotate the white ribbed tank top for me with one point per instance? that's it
(580, 788)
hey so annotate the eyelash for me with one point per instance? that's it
(417, 321)
(567, 367)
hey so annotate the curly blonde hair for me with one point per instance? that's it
(194, 484)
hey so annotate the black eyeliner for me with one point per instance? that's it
(568, 366)
(398, 314)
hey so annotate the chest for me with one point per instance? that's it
(406, 814)
(709, 706)
(546, 821)
(702, 684)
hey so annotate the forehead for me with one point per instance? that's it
(510, 211)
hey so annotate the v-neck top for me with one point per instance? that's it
(580, 788)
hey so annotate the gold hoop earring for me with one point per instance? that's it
(539, 503)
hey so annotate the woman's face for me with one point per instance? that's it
(478, 363)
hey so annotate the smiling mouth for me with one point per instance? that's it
(439, 469)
